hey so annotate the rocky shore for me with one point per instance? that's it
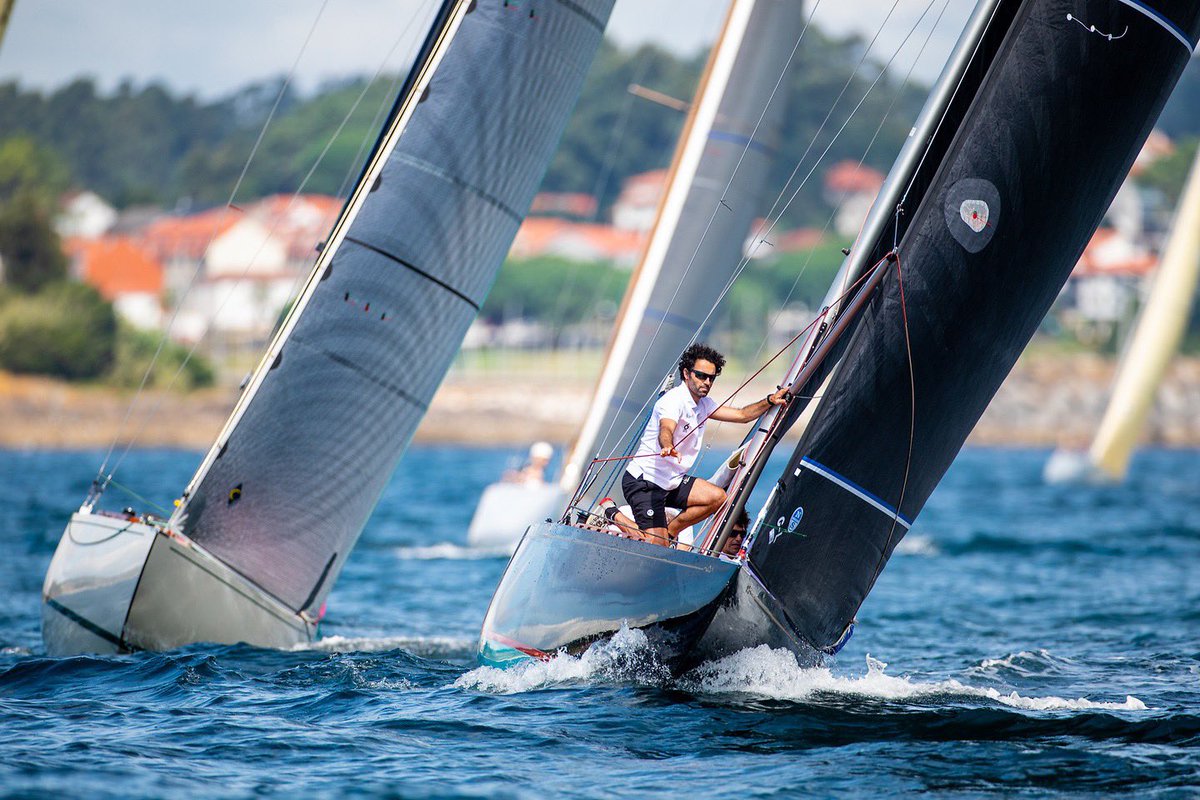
(1048, 400)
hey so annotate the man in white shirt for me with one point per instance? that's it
(657, 478)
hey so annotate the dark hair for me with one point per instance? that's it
(743, 521)
(700, 352)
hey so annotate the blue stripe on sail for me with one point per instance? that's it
(672, 319)
(737, 138)
(856, 490)
(1157, 16)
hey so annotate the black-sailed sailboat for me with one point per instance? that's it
(1025, 139)
(267, 523)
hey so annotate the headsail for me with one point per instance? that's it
(293, 477)
(717, 182)
(1046, 118)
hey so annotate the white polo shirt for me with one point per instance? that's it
(678, 405)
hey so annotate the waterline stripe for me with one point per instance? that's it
(1171, 27)
(85, 623)
(856, 490)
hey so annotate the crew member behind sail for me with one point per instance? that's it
(656, 477)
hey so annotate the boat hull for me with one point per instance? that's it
(506, 510)
(116, 585)
(566, 588)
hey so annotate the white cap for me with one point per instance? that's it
(541, 450)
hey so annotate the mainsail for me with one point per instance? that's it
(1045, 117)
(717, 182)
(289, 484)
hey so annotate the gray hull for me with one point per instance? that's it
(117, 585)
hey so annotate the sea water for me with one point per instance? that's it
(1024, 638)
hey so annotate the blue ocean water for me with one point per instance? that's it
(1025, 639)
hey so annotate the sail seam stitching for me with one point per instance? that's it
(583, 13)
(459, 183)
(855, 489)
(415, 269)
(348, 364)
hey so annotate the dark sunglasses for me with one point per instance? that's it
(704, 376)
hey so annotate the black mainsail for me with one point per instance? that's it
(1044, 122)
(289, 484)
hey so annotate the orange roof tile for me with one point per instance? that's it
(850, 177)
(116, 265)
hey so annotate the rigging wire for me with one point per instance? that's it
(352, 169)
(712, 218)
(861, 161)
(760, 237)
(283, 87)
(912, 422)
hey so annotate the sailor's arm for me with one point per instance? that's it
(666, 438)
(752, 411)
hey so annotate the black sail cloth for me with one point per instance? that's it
(317, 443)
(1060, 105)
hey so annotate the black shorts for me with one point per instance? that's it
(650, 501)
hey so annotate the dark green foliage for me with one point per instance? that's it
(30, 248)
(555, 291)
(65, 330)
(1168, 174)
(134, 351)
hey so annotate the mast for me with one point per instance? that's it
(290, 482)
(1156, 337)
(1044, 122)
(715, 182)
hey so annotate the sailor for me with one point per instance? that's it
(657, 476)
(737, 535)
(534, 471)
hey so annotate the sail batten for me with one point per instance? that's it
(1019, 175)
(315, 439)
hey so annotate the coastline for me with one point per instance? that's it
(1048, 400)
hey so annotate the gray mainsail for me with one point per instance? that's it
(715, 191)
(287, 488)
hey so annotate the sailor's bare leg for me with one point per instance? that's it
(657, 536)
(703, 501)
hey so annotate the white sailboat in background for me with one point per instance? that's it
(1152, 345)
(717, 179)
(265, 526)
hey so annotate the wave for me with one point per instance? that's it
(775, 674)
(447, 551)
(628, 657)
(917, 545)
(439, 647)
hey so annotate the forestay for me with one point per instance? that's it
(715, 191)
(290, 483)
(1044, 124)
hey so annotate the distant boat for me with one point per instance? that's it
(717, 179)
(1160, 327)
(267, 523)
(1020, 148)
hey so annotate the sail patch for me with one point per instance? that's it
(972, 212)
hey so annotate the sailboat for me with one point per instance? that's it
(1160, 326)
(1020, 148)
(717, 176)
(261, 532)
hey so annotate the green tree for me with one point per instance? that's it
(66, 330)
(29, 246)
(27, 168)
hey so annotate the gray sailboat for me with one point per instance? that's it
(717, 180)
(1019, 150)
(267, 523)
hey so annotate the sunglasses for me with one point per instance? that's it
(704, 376)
